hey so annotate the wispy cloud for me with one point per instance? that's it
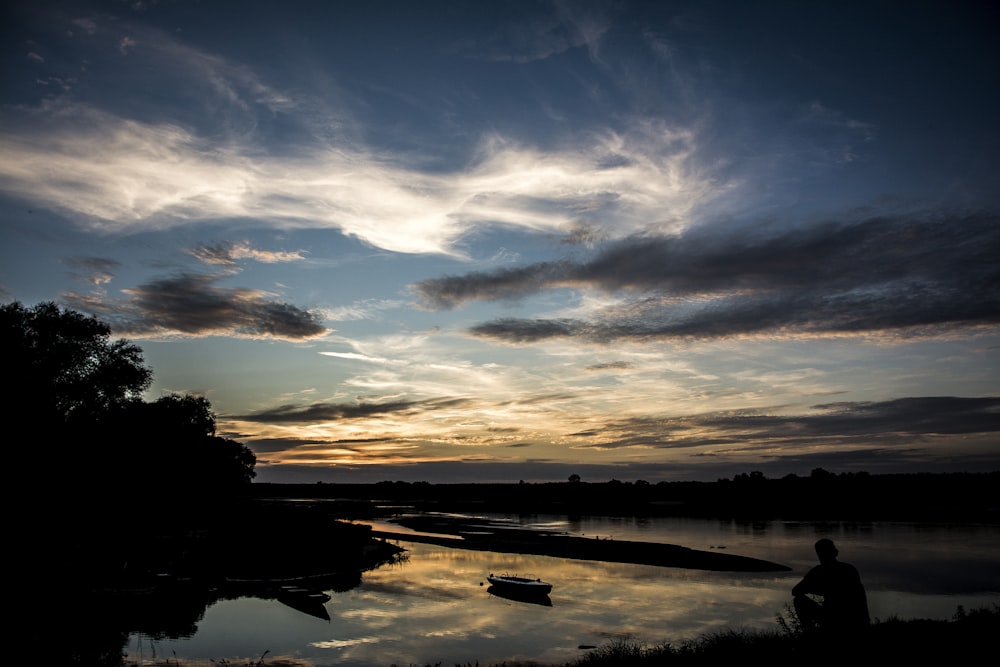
(904, 422)
(126, 167)
(227, 254)
(126, 45)
(117, 175)
(362, 310)
(320, 412)
(94, 270)
(536, 37)
(88, 25)
(362, 357)
(908, 274)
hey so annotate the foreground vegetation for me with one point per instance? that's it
(968, 635)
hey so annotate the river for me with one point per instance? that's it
(434, 606)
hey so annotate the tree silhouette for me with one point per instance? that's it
(63, 368)
(79, 392)
(172, 440)
(174, 416)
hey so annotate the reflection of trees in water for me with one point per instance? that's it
(173, 608)
(98, 623)
(168, 611)
(232, 550)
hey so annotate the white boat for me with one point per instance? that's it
(520, 585)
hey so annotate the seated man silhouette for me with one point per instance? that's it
(845, 605)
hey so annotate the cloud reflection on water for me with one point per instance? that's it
(591, 602)
(435, 605)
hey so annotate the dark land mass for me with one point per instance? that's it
(485, 535)
(822, 496)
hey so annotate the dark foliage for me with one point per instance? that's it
(88, 432)
(63, 369)
(171, 442)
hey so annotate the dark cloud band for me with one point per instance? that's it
(908, 274)
(194, 305)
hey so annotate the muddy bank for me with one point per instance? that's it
(487, 535)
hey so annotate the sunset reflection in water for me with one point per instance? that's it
(439, 598)
(434, 606)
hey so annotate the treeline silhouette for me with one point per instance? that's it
(821, 495)
(101, 471)
(133, 486)
(77, 394)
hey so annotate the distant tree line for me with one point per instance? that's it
(821, 495)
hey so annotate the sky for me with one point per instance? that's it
(520, 240)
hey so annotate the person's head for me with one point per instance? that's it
(825, 550)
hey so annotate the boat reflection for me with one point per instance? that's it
(520, 596)
(308, 602)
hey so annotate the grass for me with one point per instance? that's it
(964, 639)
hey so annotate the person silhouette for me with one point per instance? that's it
(845, 604)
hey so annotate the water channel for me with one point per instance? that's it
(434, 606)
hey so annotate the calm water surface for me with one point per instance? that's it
(434, 607)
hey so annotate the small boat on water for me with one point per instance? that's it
(519, 585)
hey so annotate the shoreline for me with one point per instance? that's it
(486, 535)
